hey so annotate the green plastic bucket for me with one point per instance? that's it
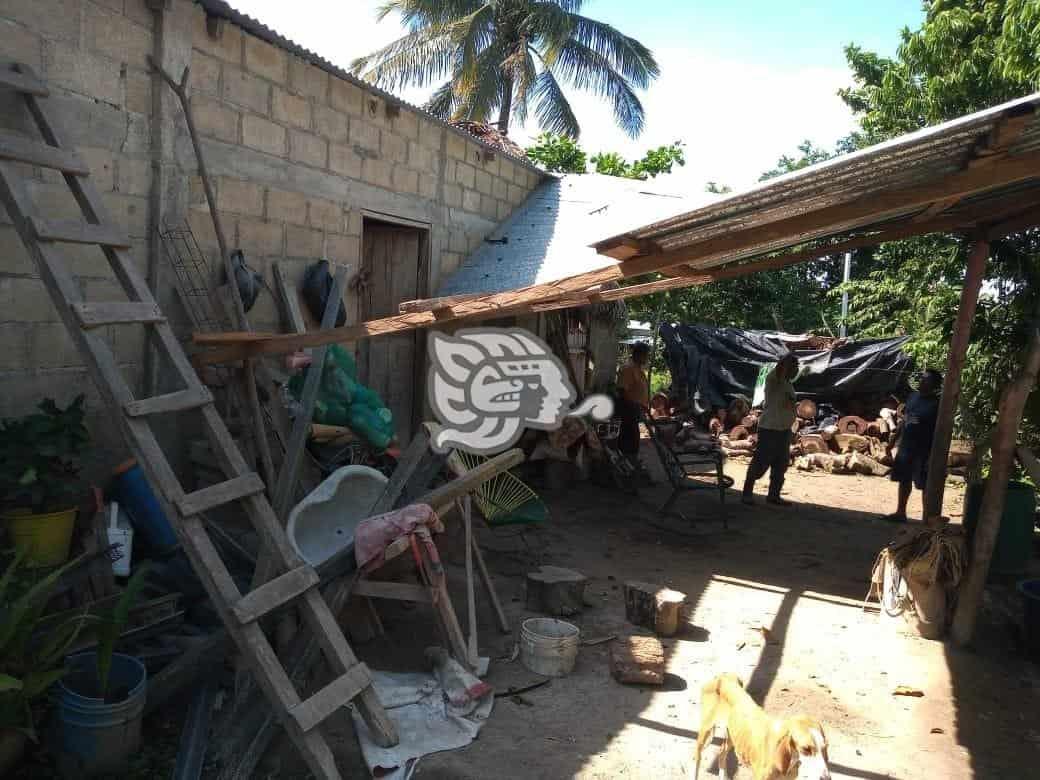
(1014, 547)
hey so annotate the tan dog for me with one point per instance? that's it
(772, 748)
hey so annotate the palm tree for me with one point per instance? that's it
(509, 55)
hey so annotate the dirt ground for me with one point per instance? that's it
(800, 572)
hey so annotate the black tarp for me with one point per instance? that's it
(711, 365)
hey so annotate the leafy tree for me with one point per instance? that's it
(810, 156)
(558, 154)
(717, 189)
(502, 58)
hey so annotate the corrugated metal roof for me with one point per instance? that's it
(548, 236)
(223, 10)
(914, 160)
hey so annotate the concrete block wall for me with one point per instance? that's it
(298, 154)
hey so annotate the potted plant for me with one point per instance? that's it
(39, 469)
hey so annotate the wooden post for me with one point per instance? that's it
(1012, 404)
(936, 484)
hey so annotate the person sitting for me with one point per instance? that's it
(914, 436)
(773, 451)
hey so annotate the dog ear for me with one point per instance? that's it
(785, 754)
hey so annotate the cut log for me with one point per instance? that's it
(829, 432)
(637, 659)
(866, 465)
(750, 422)
(813, 443)
(873, 429)
(852, 424)
(738, 433)
(832, 464)
(556, 591)
(962, 453)
(883, 426)
(745, 445)
(654, 607)
(851, 442)
(806, 409)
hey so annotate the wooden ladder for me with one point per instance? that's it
(293, 581)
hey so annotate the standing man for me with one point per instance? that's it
(634, 389)
(915, 440)
(773, 451)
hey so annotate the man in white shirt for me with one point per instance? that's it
(773, 451)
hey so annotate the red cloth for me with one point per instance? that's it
(374, 534)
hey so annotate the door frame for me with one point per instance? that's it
(422, 290)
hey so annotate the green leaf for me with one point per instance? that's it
(28, 477)
(9, 683)
(108, 631)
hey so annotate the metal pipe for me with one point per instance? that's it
(845, 295)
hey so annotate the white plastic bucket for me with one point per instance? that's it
(122, 533)
(549, 646)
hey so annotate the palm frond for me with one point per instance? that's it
(554, 111)
(587, 70)
(483, 95)
(415, 59)
(442, 101)
(524, 78)
(626, 55)
(548, 26)
(416, 14)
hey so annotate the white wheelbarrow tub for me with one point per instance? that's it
(323, 523)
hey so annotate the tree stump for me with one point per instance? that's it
(637, 659)
(738, 433)
(813, 443)
(851, 442)
(852, 424)
(653, 607)
(556, 591)
(806, 409)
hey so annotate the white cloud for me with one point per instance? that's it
(736, 118)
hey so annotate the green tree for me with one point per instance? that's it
(558, 154)
(503, 57)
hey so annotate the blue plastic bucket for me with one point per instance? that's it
(94, 736)
(1030, 590)
(131, 489)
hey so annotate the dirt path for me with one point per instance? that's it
(802, 573)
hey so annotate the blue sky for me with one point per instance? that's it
(742, 82)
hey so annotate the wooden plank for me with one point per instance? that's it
(336, 694)
(21, 82)
(432, 304)
(220, 494)
(472, 653)
(625, 247)
(72, 231)
(178, 401)
(275, 593)
(290, 300)
(96, 315)
(398, 591)
(19, 149)
(489, 587)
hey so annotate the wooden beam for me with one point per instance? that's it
(951, 390)
(1002, 137)
(1015, 224)
(432, 304)
(625, 247)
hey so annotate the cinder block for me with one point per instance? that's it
(129, 211)
(102, 168)
(344, 160)
(128, 342)
(205, 74)
(306, 79)
(393, 147)
(354, 220)
(115, 36)
(21, 44)
(53, 199)
(430, 133)
(488, 207)
(377, 172)
(506, 169)
(14, 346)
(138, 92)
(303, 242)
(265, 59)
(471, 200)
(490, 162)
(452, 195)
(465, 174)
(51, 347)
(427, 186)
(456, 146)
(291, 109)
(88, 74)
(134, 176)
(483, 182)
(25, 300)
(215, 119)
(246, 90)
(450, 261)
(331, 123)
(450, 167)
(227, 46)
(263, 135)
(201, 224)
(405, 180)
(86, 260)
(419, 157)
(407, 124)
(14, 259)
(345, 97)
(137, 10)
(240, 197)
(343, 249)
(285, 206)
(51, 18)
(326, 214)
(308, 149)
(503, 209)
(364, 134)
(500, 188)
(259, 237)
(516, 194)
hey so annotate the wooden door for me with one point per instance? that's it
(392, 258)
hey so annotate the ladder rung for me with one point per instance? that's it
(273, 594)
(74, 232)
(179, 401)
(336, 694)
(96, 315)
(19, 81)
(14, 147)
(222, 493)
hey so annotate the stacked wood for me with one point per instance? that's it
(556, 591)
(813, 443)
(829, 432)
(739, 433)
(829, 462)
(806, 409)
(851, 442)
(637, 659)
(866, 465)
(750, 422)
(962, 453)
(654, 607)
(852, 424)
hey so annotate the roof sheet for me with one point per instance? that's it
(548, 236)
